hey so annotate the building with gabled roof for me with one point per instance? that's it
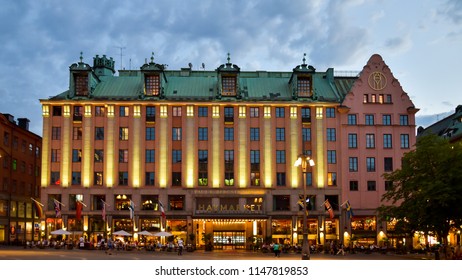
(199, 152)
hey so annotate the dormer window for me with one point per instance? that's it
(81, 85)
(152, 85)
(229, 85)
(304, 86)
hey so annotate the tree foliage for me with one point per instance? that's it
(427, 191)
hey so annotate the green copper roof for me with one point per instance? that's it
(186, 84)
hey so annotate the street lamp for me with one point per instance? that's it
(303, 161)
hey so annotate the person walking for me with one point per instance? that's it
(180, 247)
(276, 249)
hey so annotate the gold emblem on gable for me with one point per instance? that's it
(377, 80)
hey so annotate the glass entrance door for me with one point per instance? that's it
(229, 239)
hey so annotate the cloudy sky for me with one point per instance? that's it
(420, 40)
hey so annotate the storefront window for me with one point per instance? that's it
(150, 202)
(364, 223)
(176, 202)
(152, 225)
(122, 202)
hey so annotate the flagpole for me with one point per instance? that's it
(37, 202)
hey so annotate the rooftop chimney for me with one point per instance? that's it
(23, 123)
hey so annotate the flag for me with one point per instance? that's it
(329, 208)
(302, 205)
(162, 211)
(78, 210)
(349, 211)
(38, 208)
(132, 209)
(57, 209)
(103, 214)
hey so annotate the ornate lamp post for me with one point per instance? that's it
(304, 161)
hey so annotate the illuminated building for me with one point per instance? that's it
(216, 148)
(20, 152)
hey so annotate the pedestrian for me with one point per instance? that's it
(341, 250)
(180, 247)
(276, 249)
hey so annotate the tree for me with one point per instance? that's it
(427, 191)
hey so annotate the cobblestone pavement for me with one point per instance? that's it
(20, 253)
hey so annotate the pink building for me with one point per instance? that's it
(217, 150)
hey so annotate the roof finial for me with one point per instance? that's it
(304, 58)
(152, 57)
(228, 58)
(81, 56)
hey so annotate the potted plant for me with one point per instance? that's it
(208, 240)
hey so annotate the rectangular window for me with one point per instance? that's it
(403, 120)
(55, 133)
(123, 156)
(123, 178)
(353, 164)
(386, 119)
(77, 133)
(331, 137)
(152, 84)
(332, 156)
(176, 179)
(123, 133)
(99, 155)
(388, 98)
(55, 178)
(280, 156)
(331, 179)
(352, 141)
(369, 120)
(306, 115)
(81, 85)
(330, 112)
(176, 134)
(76, 178)
(124, 111)
(149, 180)
(280, 179)
(99, 133)
(370, 164)
(229, 134)
(76, 155)
(229, 115)
(203, 134)
(176, 202)
(55, 155)
(280, 134)
(280, 112)
(98, 178)
(254, 134)
(370, 141)
(352, 119)
(203, 111)
(150, 133)
(254, 112)
(304, 86)
(371, 185)
(306, 134)
(176, 111)
(150, 114)
(78, 113)
(354, 186)
(150, 156)
(388, 185)
(176, 156)
(387, 141)
(100, 111)
(57, 111)
(388, 164)
(228, 85)
(404, 141)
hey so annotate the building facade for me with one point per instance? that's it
(20, 156)
(212, 153)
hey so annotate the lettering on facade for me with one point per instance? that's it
(229, 208)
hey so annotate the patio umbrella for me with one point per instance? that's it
(144, 232)
(121, 233)
(60, 231)
(162, 233)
